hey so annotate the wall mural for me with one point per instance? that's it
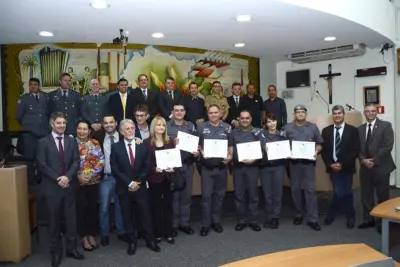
(108, 63)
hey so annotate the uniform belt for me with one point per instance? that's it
(303, 161)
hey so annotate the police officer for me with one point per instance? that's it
(303, 171)
(245, 175)
(66, 101)
(217, 98)
(94, 106)
(214, 170)
(33, 116)
(182, 199)
(272, 173)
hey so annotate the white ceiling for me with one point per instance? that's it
(276, 29)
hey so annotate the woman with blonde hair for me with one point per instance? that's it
(160, 181)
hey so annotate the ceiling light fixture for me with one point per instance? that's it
(99, 4)
(46, 34)
(239, 45)
(330, 38)
(243, 18)
(157, 35)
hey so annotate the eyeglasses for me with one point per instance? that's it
(140, 115)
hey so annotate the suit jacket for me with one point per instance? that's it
(137, 98)
(348, 148)
(115, 107)
(165, 103)
(157, 177)
(234, 112)
(49, 165)
(195, 109)
(121, 167)
(380, 146)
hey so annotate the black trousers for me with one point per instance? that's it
(87, 197)
(161, 208)
(129, 202)
(58, 207)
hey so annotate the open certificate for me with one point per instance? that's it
(249, 150)
(187, 142)
(278, 150)
(215, 148)
(303, 150)
(168, 158)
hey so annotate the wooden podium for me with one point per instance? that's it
(15, 239)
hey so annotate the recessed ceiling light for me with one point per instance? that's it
(243, 18)
(157, 35)
(330, 38)
(239, 45)
(99, 4)
(46, 34)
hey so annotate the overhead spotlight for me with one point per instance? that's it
(239, 45)
(243, 18)
(157, 35)
(99, 4)
(46, 34)
(330, 38)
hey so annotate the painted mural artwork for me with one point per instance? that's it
(47, 62)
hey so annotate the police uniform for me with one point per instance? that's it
(182, 199)
(245, 179)
(32, 114)
(93, 108)
(69, 105)
(272, 177)
(213, 175)
(219, 100)
(303, 171)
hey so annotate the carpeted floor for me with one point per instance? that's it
(217, 249)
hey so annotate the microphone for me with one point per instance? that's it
(327, 105)
(349, 107)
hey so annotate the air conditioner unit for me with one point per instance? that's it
(328, 53)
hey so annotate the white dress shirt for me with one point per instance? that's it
(372, 127)
(133, 146)
(56, 140)
(334, 138)
(107, 151)
(237, 99)
(144, 91)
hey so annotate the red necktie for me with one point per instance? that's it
(61, 152)
(131, 155)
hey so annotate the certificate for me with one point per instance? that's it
(187, 142)
(249, 150)
(215, 148)
(303, 150)
(168, 158)
(278, 150)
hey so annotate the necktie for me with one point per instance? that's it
(123, 103)
(132, 158)
(64, 93)
(61, 152)
(95, 97)
(368, 139)
(171, 95)
(37, 97)
(144, 94)
(237, 101)
(111, 139)
(337, 141)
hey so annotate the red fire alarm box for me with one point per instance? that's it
(380, 109)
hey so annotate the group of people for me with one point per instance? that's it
(103, 147)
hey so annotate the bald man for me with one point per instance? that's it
(94, 106)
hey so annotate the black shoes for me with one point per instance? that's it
(274, 223)
(75, 255)
(132, 248)
(186, 229)
(204, 230)
(350, 223)
(240, 226)
(217, 227)
(55, 259)
(366, 225)
(255, 227)
(314, 225)
(152, 245)
(298, 220)
(329, 220)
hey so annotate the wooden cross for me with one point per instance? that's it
(329, 77)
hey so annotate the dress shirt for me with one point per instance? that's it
(372, 127)
(144, 92)
(62, 92)
(237, 99)
(133, 147)
(56, 140)
(145, 133)
(107, 151)
(334, 138)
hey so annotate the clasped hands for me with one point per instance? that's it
(167, 170)
(369, 163)
(134, 186)
(63, 181)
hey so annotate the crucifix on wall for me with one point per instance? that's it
(329, 77)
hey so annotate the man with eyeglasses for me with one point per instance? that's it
(142, 126)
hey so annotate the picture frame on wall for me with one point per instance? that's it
(372, 95)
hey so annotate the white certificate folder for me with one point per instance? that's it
(249, 151)
(187, 142)
(303, 150)
(278, 150)
(215, 148)
(168, 158)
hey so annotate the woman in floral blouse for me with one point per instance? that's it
(92, 161)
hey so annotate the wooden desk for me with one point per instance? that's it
(327, 256)
(386, 211)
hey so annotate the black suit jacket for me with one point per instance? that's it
(115, 107)
(49, 166)
(137, 98)
(121, 167)
(234, 112)
(165, 103)
(195, 108)
(348, 148)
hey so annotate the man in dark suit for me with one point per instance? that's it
(376, 144)
(236, 105)
(131, 165)
(167, 97)
(119, 104)
(339, 152)
(194, 106)
(143, 95)
(58, 163)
